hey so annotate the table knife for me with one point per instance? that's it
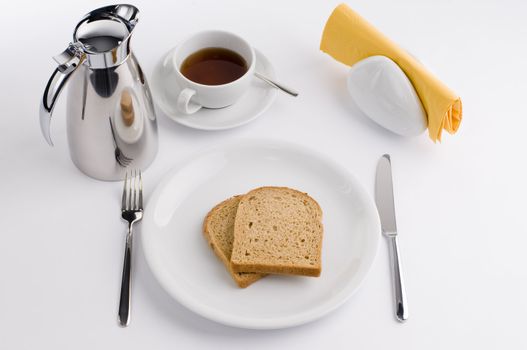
(386, 208)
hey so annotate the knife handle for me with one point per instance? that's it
(401, 306)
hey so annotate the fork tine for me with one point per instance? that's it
(136, 204)
(132, 191)
(129, 192)
(136, 197)
(140, 190)
(123, 201)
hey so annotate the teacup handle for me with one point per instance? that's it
(185, 103)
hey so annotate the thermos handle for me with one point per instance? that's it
(68, 61)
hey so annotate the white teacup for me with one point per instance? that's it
(193, 96)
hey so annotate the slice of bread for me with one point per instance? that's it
(278, 230)
(218, 228)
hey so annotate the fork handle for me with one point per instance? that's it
(126, 283)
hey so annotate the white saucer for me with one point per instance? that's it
(188, 270)
(249, 107)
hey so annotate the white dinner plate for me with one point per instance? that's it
(249, 107)
(188, 270)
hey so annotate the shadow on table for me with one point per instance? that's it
(170, 128)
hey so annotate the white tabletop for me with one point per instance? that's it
(460, 204)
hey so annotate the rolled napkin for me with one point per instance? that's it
(349, 38)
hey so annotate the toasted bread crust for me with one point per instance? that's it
(243, 280)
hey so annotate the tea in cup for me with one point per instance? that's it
(213, 70)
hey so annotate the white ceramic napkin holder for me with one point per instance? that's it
(383, 92)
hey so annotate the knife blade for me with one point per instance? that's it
(384, 195)
(384, 200)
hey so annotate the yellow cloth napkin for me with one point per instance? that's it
(349, 38)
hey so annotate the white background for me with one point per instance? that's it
(460, 204)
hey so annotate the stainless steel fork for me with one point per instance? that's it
(131, 212)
